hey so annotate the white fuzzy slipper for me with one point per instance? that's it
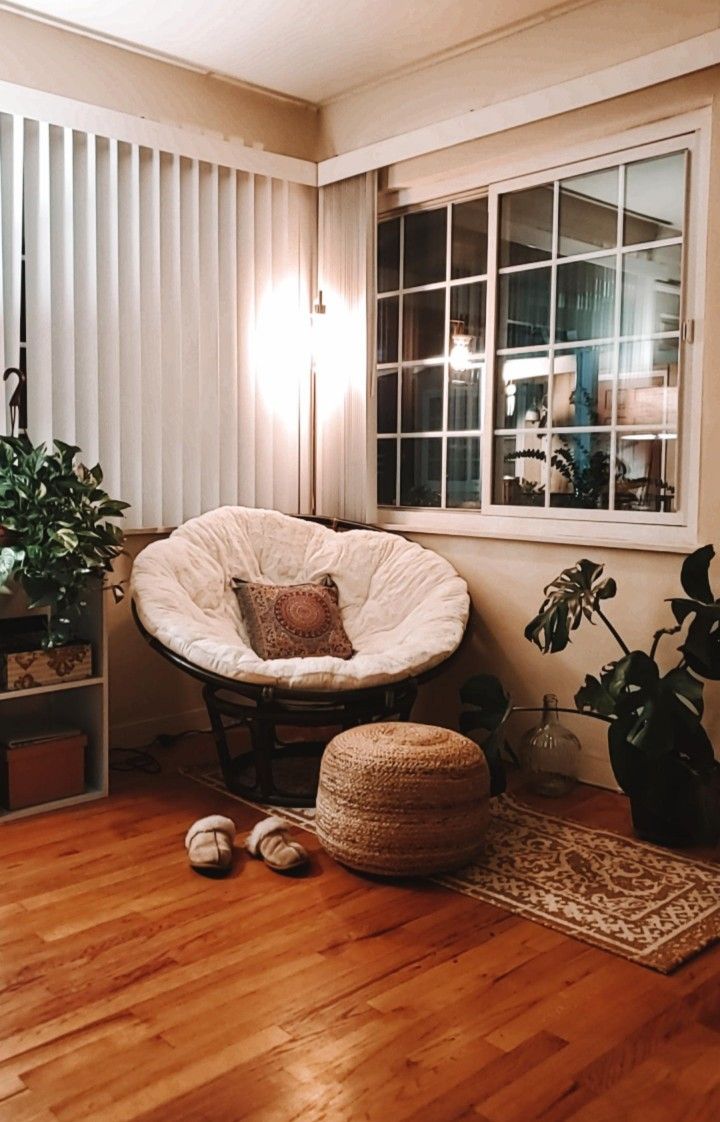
(209, 844)
(270, 841)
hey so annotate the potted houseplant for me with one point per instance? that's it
(660, 753)
(57, 530)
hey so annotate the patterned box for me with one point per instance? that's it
(26, 670)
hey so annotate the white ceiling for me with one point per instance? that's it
(311, 49)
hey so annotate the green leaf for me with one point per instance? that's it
(694, 575)
(572, 596)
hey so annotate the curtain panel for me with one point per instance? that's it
(344, 350)
(167, 318)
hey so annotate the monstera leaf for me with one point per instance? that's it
(573, 596)
(701, 648)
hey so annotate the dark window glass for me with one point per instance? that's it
(422, 398)
(526, 219)
(524, 308)
(387, 329)
(463, 471)
(464, 398)
(420, 471)
(585, 300)
(423, 324)
(388, 254)
(386, 471)
(588, 212)
(425, 247)
(387, 402)
(469, 238)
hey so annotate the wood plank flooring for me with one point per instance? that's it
(133, 990)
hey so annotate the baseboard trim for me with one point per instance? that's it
(138, 734)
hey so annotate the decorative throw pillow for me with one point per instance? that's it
(293, 620)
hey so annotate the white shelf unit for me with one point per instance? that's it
(82, 704)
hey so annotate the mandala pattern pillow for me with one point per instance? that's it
(293, 621)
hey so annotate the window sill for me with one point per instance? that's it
(644, 536)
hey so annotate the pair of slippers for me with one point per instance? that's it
(209, 845)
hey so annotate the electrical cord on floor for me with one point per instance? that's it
(140, 759)
(134, 759)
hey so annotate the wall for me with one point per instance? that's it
(573, 43)
(60, 62)
(506, 578)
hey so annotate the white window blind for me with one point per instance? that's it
(167, 317)
(11, 207)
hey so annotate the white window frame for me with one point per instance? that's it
(676, 532)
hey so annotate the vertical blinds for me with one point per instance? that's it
(345, 355)
(167, 317)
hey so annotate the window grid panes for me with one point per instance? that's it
(588, 340)
(582, 308)
(431, 355)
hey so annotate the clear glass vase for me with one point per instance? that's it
(550, 753)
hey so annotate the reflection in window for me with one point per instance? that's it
(585, 305)
(581, 424)
(524, 308)
(521, 394)
(651, 291)
(420, 471)
(423, 324)
(425, 247)
(469, 238)
(388, 252)
(463, 471)
(654, 199)
(422, 398)
(387, 402)
(387, 330)
(588, 212)
(526, 223)
(386, 471)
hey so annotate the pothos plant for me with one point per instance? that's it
(659, 750)
(58, 529)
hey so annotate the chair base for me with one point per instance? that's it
(262, 711)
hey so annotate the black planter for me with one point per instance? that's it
(691, 816)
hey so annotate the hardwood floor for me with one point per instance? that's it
(133, 989)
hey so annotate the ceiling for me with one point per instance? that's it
(309, 49)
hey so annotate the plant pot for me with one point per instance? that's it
(689, 815)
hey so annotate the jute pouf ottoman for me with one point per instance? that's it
(402, 799)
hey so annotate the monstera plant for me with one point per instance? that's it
(58, 529)
(660, 752)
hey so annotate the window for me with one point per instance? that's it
(532, 347)
(588, 340)
(432, 299)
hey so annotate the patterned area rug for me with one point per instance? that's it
(644, 903)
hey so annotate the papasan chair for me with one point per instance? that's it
(403, 607)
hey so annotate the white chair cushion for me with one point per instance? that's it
(404, 608)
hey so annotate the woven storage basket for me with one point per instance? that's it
(402, 799)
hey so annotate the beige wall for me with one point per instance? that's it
(587, 38)
(60, 62)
